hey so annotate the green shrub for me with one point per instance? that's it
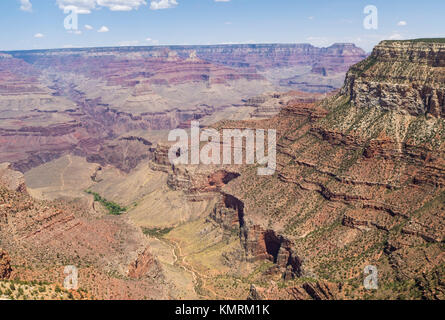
(113, 208)
(156, 232)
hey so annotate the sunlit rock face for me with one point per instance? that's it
(399, 75)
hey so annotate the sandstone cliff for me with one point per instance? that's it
(360, 181)
(407, 76)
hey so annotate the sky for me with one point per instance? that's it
(44, 24)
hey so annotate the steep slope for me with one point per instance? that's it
(42, 237)
(360, 181)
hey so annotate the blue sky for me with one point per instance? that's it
(39, 24)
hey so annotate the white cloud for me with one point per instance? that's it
(222, 0)
(80, 6)
(121, 5)
(38, 35)
(402, 23)
(25, 5)
(163, 4)
(88, 27)
(85, 6)
(103, 29)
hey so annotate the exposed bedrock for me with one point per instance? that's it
(357, 183)
(119, 122)
(123, 153)
(307, 291)
(5, 265)
(11, 179)
(197, 179)
(260, 56)
(401, 75)
(144, 266)
(258, 243)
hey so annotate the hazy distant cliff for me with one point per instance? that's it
(53, 101)
(242, 55)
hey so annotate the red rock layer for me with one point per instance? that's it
(43, 237)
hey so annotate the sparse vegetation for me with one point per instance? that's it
(156, 232)
(426, 40)
(34, 290)
(113, 208)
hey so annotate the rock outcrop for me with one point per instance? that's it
(5, 265)
(11, 179)
(406, 76)
(360, 176)
(143, 265)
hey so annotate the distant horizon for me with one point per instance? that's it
(187, 45)
(217, 45)
(46, 25)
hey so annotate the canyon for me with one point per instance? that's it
(77, 100)
(360, 171)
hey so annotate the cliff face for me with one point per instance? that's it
(210, 65)
(244, 55)
(264, 56)
(36, 125)
(360, 181)
(401, 75)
